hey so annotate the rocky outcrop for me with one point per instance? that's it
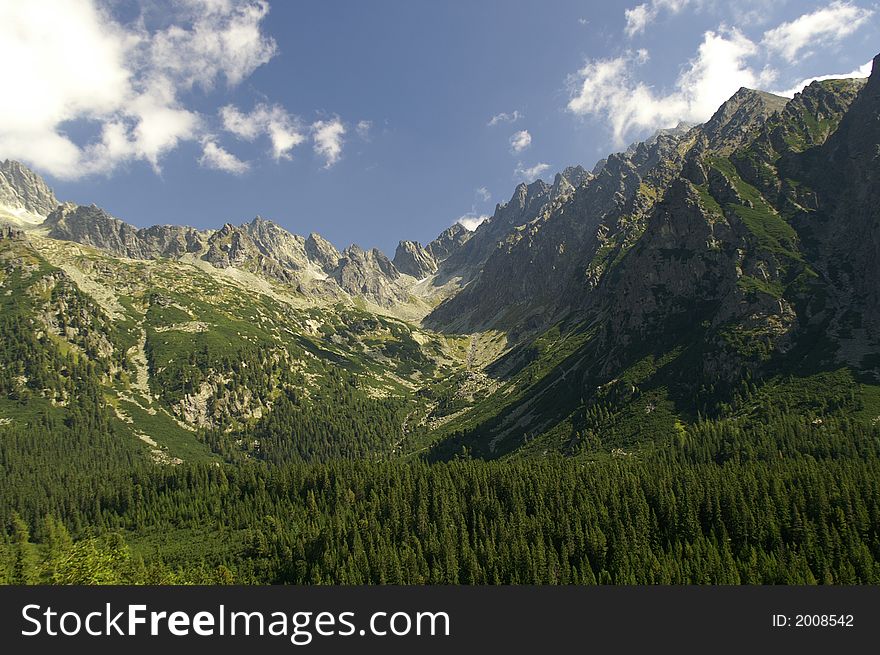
(25, 198)
(567, 181)
(172, 240)
(370, 275)
(278, 244)
(92, 226)
(412, 259)
(845, 228)
(322, 252)
(448, 242)
(735, 122)
(545, 238)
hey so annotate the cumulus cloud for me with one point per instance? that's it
(223, 38)
(607, 88)
(471, 221)
(610, 90)
(125, 84)
(862, 71)
(529, 174)
(284, 131)
(483, 194)
(638, 18)
(520, 141)
(217, 158)
(822, 27)
(504, 117)
(327, 137)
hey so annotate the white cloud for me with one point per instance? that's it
(819, 28)
(283, 130)
(606, 88)
(68, 62)
(471, 221)
(363, 129)
(224, 39)
(520, 141)
(862, 71)
(327, 136)
(530, 174)
(217, 158)
(504, 117)
(583, 21)
(639, 17)
(483, 194)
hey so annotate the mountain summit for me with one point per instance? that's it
(25, 199)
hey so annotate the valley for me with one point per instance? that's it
(664, 369)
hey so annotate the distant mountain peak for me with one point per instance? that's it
(25, 198)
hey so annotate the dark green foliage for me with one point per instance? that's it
(722, 504)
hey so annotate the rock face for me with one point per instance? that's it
(322, 252)
(735, 121)
(845, 173)
(557, 242)
(531, 257)
(412, 259)
(92, 226)
(567, 181)
(275, 242)
(370, 275)
(25, 198)
(172, 240)
(466, 262)
(449, 240)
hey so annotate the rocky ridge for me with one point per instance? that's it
(25, 198)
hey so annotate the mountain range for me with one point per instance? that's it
(587, 314)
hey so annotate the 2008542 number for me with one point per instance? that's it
(823, 620)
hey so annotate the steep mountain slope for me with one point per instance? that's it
(729, 283)
(543, 269)
(412, 259)
(464, 268)
(25, 199)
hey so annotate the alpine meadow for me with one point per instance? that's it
(663, 368)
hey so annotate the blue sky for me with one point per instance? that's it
(370, 122)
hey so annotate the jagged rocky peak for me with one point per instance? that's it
(528, 195)
(25, 198)
(231, 246)
(279, 244)
(528, 200)
(172, 240)
(568, 180)
(322, 252)
(449, 240)
(676, 132)
(413, 259)
(371, 275)
(814, 113)
(92, 226)
(736, 119)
